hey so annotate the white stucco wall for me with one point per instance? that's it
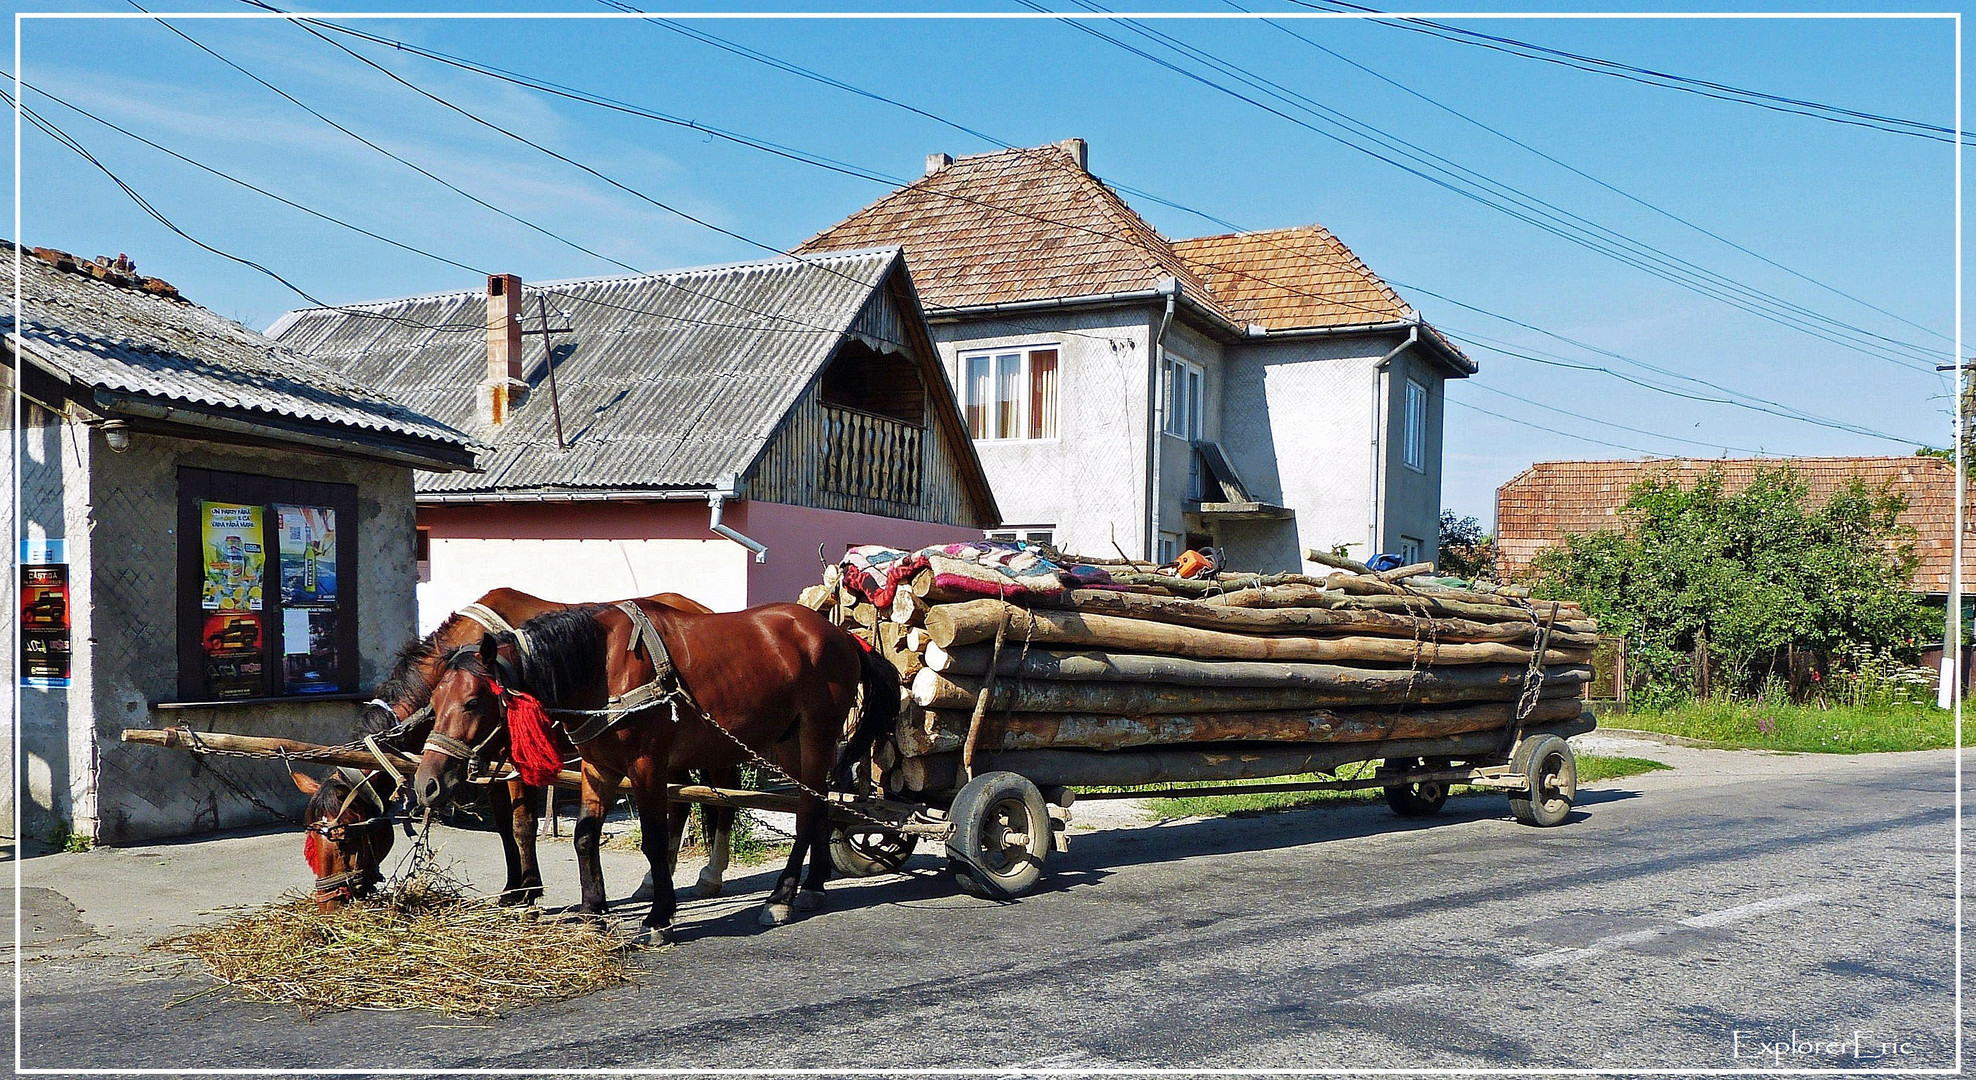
(57, 744)
(713, 571)
(1090, 481)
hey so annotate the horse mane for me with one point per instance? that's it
(565, 654)
(405, 682)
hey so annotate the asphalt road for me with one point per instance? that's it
(1745, 910)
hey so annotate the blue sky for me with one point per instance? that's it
(1866, 213)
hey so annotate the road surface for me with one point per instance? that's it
(1745, 910)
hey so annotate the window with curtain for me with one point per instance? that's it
(1011, 394)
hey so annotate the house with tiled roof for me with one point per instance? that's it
(1553, 499)
(1262, 392)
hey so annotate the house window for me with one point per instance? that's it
(1031, 534)
(267, 603)
(1409, 549)
(1186, 386)
(422, 552)
(1012, 394)
(1413, 448)
(1169, 548)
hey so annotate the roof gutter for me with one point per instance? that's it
(716, 499)
(381, 446)
(443, 498)
(1158, 294)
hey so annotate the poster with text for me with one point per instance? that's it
(234, 657)
(45, 626)
(230, 536)
(308, 644)
(308, 554)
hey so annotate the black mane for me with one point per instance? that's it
(404, 683)
(565, 654)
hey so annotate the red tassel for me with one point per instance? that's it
(312, 851)
(534, 749)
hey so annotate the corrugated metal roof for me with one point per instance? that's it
(129, 341)
(673, 380)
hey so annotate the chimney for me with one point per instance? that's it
(503, 390)
(1078, 151)
(936, 162)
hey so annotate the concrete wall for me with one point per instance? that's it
(1090, 482)
(792, 534)
(9, 729)
(1412, 500)
(118, 513)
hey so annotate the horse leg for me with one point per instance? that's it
(718, 822)
(529, 804)
(650, 792)
(599, 791)
(816, 838)
(501, 803)
(778, 910)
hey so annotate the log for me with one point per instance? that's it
(862, 614)
(906, 607)
(1325, 558)
(1307, 655)
(943, 731)
(894, 650)
(1211, 615)
(817, 597)
(950, 625)
(1208, 586)
(1364, 586)
(1235, 761)
(1401, 573)
(1338, 687)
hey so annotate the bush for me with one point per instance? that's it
(1464, 549)
(1727, 590)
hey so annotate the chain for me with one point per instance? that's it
(245, 794)
(1533, 678)
(679, 696)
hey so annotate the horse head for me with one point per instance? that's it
(348, 833)
(469, 722)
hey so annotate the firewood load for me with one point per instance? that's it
(1109, 672)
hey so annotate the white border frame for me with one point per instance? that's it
(1955, 634)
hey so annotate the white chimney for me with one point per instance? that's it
(936, 162)
(1078, 151)
(502, 390)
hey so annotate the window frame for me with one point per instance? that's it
(198, 485)
(1022, 419)
(1184, 383)
(1413, 425)
(1028, 534)
(1410, 548)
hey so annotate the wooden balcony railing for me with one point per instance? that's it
(870, 456)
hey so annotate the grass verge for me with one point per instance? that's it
(1839, 729)
(1592, 768)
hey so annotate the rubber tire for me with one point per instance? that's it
(977, 813)
(1419, 800)
(1542, 758)
(862, 859)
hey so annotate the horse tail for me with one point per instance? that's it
(875, 716)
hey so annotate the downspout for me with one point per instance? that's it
(1155, 444)
(716, 499)
(1381, 412)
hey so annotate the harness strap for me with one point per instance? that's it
(659, 690)
(643, 632)
(384, 760)
(490, 619)
(449, 746)
(360, 785)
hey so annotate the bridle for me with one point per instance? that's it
(362, 832)
(474, 755)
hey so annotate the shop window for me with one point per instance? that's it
(267, 603)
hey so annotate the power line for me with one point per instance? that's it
(1604, 423)
(1665, 80)
(1582, 174)
(1526, 208)
(1554, 431)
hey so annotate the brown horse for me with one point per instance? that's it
(777, 680)
(341, 855)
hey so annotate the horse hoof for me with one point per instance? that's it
(809, 900)
(776, 914)
(707, 888)
(652, 937)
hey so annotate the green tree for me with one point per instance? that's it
(1740, 580)
(1465, 550)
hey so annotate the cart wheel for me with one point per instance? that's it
(1001, 836)
(867, 850)
(1422, 799)
(1553, 773)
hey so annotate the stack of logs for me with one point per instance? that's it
(1287, 673)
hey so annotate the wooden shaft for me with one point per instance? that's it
(1162, 765)
(943, 731)
(1330, 687)
(1211, 614)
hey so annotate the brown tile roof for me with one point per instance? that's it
(1030, 224)
(1284, 278)
(1554, 498)
(1013, 225)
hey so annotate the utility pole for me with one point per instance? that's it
(1949, 692)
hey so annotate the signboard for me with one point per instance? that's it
(308, 646)
(308, 554)
(230, 536)
(44, 624)
(235, 667)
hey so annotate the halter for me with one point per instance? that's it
(344, 886)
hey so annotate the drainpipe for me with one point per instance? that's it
(1381, 411)
(1155, 443)
(715, 500)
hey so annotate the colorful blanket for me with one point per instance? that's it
(983, 567)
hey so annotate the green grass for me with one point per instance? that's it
(1591, 769)
(1840, 729)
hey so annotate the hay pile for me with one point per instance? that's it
(425, 946)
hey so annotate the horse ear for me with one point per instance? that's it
(309, 785)
(490, 651)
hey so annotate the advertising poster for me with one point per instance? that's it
(45, 625)
(308, 642)
(231, 539)
(308, 554)
(234, 664)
